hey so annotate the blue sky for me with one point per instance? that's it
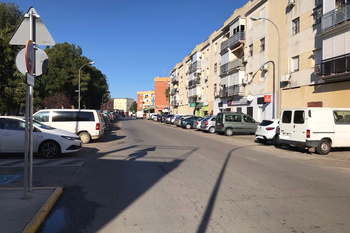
(132, 41)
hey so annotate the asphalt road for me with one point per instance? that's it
(146, 176)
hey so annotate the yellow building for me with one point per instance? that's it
(269, 55)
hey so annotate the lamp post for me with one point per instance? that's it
(254, 18)
(89, 63)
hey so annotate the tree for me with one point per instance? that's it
(11, 81)
(167, 94)
(57, 100)
(133, 107)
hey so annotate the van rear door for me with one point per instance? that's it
(341, 128)
(299, 126)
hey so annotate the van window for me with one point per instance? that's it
(299, 117)
(42, 116)
(233, 118)
(342, 117)
(219, 118)
(63, 116)
(85, 116)
(287, 117)
(248, 119)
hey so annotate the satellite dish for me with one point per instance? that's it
(250, 98)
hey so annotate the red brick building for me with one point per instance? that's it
(161, 104)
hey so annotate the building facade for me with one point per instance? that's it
(161, 104)
(269, 55)
(145, 100)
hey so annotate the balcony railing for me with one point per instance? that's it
(233, 40)
(335, 17)
(234, 90)
(195, 66)
(335, 66)
(231, 66)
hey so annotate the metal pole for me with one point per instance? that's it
(31, 24)
(89, 63)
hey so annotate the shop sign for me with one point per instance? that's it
(267, 98)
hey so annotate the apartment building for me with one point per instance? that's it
(122, 105)
(161, 104)
(145, 100)
(269, 55)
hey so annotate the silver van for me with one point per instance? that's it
(88, 124)
(235, 122)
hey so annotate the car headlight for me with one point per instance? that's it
(70, 138)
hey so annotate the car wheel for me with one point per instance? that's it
(85, 137)
(212, 129)
(188, 126)
(50, 149)
(276, 141)
(324, 147)
(228, 132)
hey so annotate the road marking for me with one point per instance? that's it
(44, 163)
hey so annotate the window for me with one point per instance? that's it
(63, 116)
(317, 15)
(299, 117)
(42, 116)
(248, 119)
(85, 116)
(287, 117)
(295, 63)
(342, 117)
(295, 26)
(262, 44)
(250, 52)
(13, 124)
(239, 109)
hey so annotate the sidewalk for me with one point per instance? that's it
(25, 215)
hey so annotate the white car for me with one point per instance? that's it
(267, 130)
(47, 141)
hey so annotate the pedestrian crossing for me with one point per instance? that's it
(60, 162)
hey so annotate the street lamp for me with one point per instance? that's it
(254, 18)
(89, 63)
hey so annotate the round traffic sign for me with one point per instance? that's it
(29, 56)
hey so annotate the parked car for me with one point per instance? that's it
(197, 124)
(155, 117)
(47, 141)
(86, 123)
(208, 124)
(168, 119)
(187, 122)
(235, 122)
(321, 128)
(177, 122)
(268, 130)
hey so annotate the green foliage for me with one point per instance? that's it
(133, 107)
(61, 80)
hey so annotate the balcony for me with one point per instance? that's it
(234, 90)
(174, 79)
(194, 82)
(335, 17)
(231, 66)
(337, 68)
(233, 41)
(196, 66)
(173, 91)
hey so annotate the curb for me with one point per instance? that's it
(39, 217)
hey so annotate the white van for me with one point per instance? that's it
(86, 123)
(321, 128)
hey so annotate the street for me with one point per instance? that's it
(145, 176)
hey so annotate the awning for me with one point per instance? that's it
(240, 46)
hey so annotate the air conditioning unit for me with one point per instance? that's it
(291, 2)
(285, 78)
(317, 69)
